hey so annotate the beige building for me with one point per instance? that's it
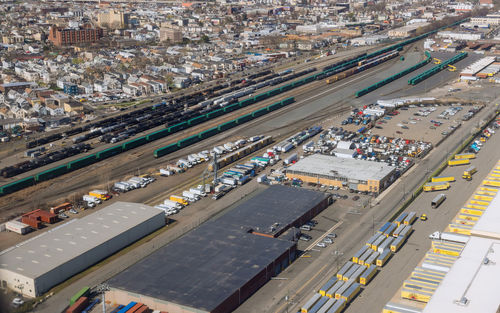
(343, 172)
(113, 19)
(174, 35)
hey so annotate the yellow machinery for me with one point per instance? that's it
(452, 68)
(437, 61)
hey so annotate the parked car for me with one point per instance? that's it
(332, 235)
(328, 240)
(304, 238)
(321, 244)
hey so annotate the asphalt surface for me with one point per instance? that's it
(319, 104)
(306, 275)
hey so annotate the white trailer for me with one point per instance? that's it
(198, 192)
(173, 204)
(17, 227)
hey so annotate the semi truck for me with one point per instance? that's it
(469, 172)
(92, 199)
(449, 237)
(438, 200)
(198, 192)
(178, 199)
(173, 204)
(100, 194)
(190, 196)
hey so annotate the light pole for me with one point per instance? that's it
(102, 288)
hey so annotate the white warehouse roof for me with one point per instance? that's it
(489, 224)
(319, 164)
(49, 250)
(471, 279)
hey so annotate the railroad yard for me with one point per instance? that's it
(369, 152)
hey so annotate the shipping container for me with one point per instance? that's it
(371, 259)
(412, 216)
(458, 162)
(127, 307)
(397, 243)
(78, 305)
(338, 306)
(318, 305)
(386, 245)
(365, 256)
(18, 227)
(358, 254)
(465, 156)
(84, 292)
(331, 292)
(400, 219)
(367, 275)
(351, 292)
(327, 306)
(328, 285)
(345, 286)
(344, 270)
(383, 257)
(349, 274)
(436, 186)
(310, 303)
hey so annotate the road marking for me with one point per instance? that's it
(324, 235)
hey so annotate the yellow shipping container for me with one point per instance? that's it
(465, 156)
(442, 179)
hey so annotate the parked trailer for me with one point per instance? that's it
(338, 306)
(465, 156)
(442, 179)
(436, 186)
(412, 216)
(458, 162)
(310, 304)
(383, 257)
(371, 259)
(397, 243)
(17, 227)
(351, 292)
(331, 292)
(328, 285)
(438, 200)
(344, 270)
(400, 219)
(84, 292)
(367, 275)
(327, 306)
(467, 175)
(358, 254)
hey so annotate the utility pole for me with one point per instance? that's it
(102, 288)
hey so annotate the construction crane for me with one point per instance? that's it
(437, 61)
(452, 68)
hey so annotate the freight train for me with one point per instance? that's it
(28, 181)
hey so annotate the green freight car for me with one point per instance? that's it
(106, 153)
(81, 162)
(246, 102)
(260, 97)
(197, 120)
(17, 185)
(166, 150)
(134, 143)
(273, 106)
(259, 112)
(214, 114)
(245, 118)
(84, 292)
(157, 134)
(231, 108)
(288, 101)
(188, 141)
(177, 127)
(227, 125)
(53, 172)
(274, 92)
(208, 133)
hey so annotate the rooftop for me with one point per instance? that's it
(488, 224)
(209, 264)
(41, 254)
(353, 169)
(470, 278)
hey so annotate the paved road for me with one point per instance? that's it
(306, 275)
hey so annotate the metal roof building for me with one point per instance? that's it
(217, 266)
(36, 265)
(342, 172)
(472, 283)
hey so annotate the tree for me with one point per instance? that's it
(204, 39)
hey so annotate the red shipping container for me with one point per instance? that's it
(31, 222)
(135, 307)
(79, 305)
(47, 217)
(143, 309)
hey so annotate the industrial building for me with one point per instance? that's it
(38, 264)
(343, 172)
(220, 264)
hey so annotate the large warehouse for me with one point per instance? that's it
(348, 173)
(217, 266)
(38, 264)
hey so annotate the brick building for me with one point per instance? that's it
(68, 36)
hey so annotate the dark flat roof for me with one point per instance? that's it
(276, 204)
(207, 265)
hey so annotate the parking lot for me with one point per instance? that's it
(423, 122)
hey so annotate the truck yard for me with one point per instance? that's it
(414, 139)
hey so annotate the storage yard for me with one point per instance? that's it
(217, 266)
(388, 142)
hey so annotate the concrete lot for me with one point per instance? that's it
(307, 274)
(419, 127)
